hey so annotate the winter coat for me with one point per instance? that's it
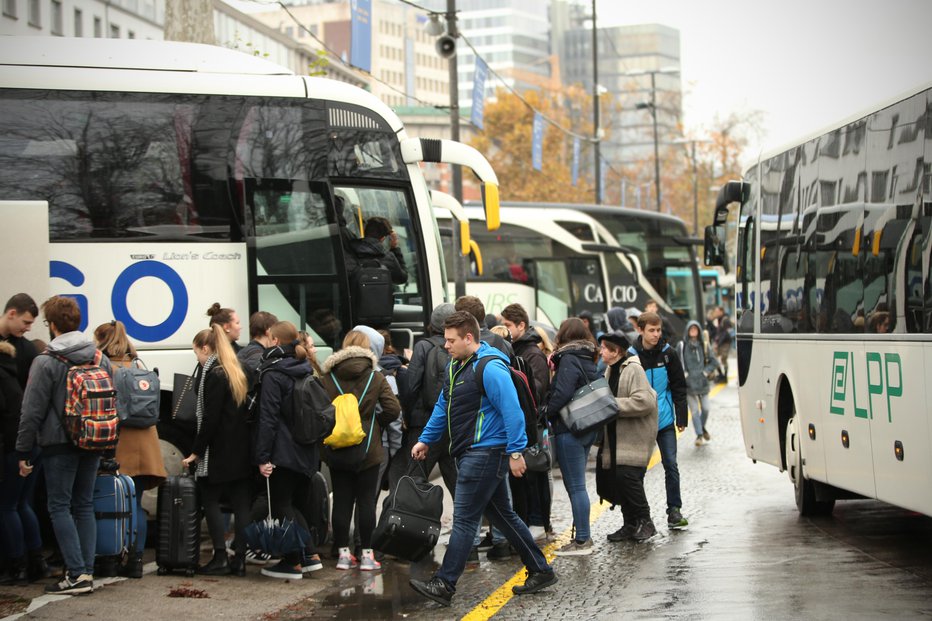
(474, 419)
(224, 430)
(44, 398)
(352, 366)
(636, 425)
(697, 360)
(665, 374)
(25, 354)
(575, 363)
(11, 398)
(423, 380)
(138, 450)
(526, 347)
(274, 444)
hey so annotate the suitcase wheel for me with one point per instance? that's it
(189, 573)
(431, 541)
(392, 530)
(161, 571)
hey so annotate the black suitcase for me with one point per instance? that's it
(409, 526)
(319, 519)
(179, 546)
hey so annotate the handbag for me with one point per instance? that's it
(539, 457)
(184, 401)
(591, 406)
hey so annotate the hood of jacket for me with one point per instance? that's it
(582, 349)
(530, 336)
(74, 346)
(350, 362)
(689, 324)
(487, 350)
(617, 318)
(376, 340)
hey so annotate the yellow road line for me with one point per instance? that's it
(502, 595)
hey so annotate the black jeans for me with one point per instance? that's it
(290, 492)
(238, 494)
(634, 505)
(439, 454)
(359, 490)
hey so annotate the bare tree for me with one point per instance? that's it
(190, 20)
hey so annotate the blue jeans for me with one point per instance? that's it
(70, 479)
(666, 441)
(573, 454)
(482, 485)
(19, 528)
(699, 407)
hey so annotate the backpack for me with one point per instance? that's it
(137, 391)
(347, 428)
(312, 415)
(434, 367)
(525, 395)
(373, 294)
(90, 417)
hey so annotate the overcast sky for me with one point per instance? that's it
(805, 64)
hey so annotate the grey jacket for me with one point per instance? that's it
(697, 360)
(636, 425)
(44, 399)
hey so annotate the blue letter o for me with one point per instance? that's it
(170, 277)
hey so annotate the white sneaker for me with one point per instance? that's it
(368, 562)
(346, 560)
(538, 533)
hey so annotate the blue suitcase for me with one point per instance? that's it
(114, 505)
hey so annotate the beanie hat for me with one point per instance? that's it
(440, 315)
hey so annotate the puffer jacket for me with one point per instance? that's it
(635, 429)
(575, 364)
(351, 367)
(44, 398)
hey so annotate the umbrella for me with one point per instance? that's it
(276, 537)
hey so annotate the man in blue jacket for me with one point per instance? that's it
(486, 439)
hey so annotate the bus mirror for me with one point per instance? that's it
(475, 257)
(714, 245)
(731, 192)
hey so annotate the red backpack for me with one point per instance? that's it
(90, 417)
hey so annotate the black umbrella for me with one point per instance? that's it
(276, 537)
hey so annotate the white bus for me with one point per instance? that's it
(178, 175)
(557, 260)
(834, 297)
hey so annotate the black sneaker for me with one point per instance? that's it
(675, 519)
(435, 589)
(72, 586)
(473, 558)
(486, 543)
(499, 552)
(535, 582)
(625, 533)
(645, 531)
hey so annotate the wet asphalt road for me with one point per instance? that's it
(746, 555)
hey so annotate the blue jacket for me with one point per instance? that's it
(665, 374)
(473, 420)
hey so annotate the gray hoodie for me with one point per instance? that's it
(697, 361)
(44, 399)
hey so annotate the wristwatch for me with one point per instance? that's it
(516, 456)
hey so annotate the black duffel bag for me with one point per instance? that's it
(409, 526)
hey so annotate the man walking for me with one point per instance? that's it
(486, 437)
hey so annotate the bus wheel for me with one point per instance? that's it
(806, 502)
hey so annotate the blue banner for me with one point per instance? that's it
(478, 93)
(537, 142)
(575, 160)
(361, 34)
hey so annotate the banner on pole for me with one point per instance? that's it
(575, 160)
(478, 93)
(361, 34)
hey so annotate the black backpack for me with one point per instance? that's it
(435, 365)
(312, 413)
(525, 392)
(373, 294)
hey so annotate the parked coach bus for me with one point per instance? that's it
(834, 303)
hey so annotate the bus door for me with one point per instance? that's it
(565, 287)
(292, 250)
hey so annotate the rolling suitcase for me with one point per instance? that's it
(114, 510)
(179, 526)
(409, 526)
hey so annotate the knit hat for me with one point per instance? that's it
(440, 315)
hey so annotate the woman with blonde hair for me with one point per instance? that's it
(287, 465)
(137, 451)
(353, 369)
(222, 446)
(228, 321)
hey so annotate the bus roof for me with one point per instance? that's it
(132, 54)
(589, 208)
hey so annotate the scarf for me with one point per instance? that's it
(202, 467)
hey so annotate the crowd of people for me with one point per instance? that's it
(418, 405)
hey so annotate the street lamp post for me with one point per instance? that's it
(692, 142)
(652, 107)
